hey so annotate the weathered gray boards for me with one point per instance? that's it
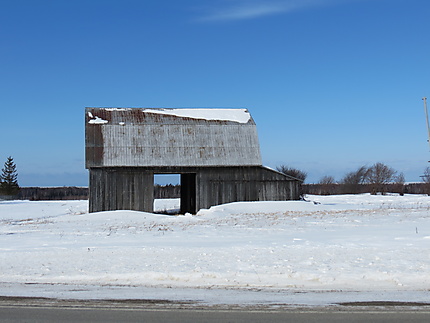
(216, 151)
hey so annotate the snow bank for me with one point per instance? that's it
(349, 243)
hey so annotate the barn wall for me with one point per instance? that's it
(121, 189)
(224, 185)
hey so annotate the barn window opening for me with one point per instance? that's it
(167, 193)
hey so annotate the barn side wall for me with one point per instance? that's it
(224, 185)
(121, 189)
(131, 188)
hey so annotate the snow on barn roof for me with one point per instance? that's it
(234, 115)
(212, 114)
(143, 137)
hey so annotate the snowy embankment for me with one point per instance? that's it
(344, 242)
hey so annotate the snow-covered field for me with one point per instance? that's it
(344, 243)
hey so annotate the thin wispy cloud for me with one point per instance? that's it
(246, 10)
(251, 9)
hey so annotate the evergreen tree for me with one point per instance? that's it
(9, 178)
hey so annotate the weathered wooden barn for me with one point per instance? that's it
(215, 151)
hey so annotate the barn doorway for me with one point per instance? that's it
(167, 193)
(175, 193)
(188, 193)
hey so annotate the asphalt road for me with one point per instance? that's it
(130, 312)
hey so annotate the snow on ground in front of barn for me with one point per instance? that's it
(330, 243)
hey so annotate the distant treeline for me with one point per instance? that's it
(174, 191)
(167, 191)
(335, 189)
(81, 193)
(53, 193)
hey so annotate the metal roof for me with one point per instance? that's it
(139, 137)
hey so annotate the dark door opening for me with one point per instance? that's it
(188, 193)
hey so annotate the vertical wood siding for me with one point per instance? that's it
(121, 189)
(133, 188)
(224, 185)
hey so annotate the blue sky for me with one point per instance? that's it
(331, 84)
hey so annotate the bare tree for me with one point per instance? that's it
(378, 176)
(327, 185)
(399, 184)
(294, 172)
(351, 181)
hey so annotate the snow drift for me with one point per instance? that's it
(345, 242)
